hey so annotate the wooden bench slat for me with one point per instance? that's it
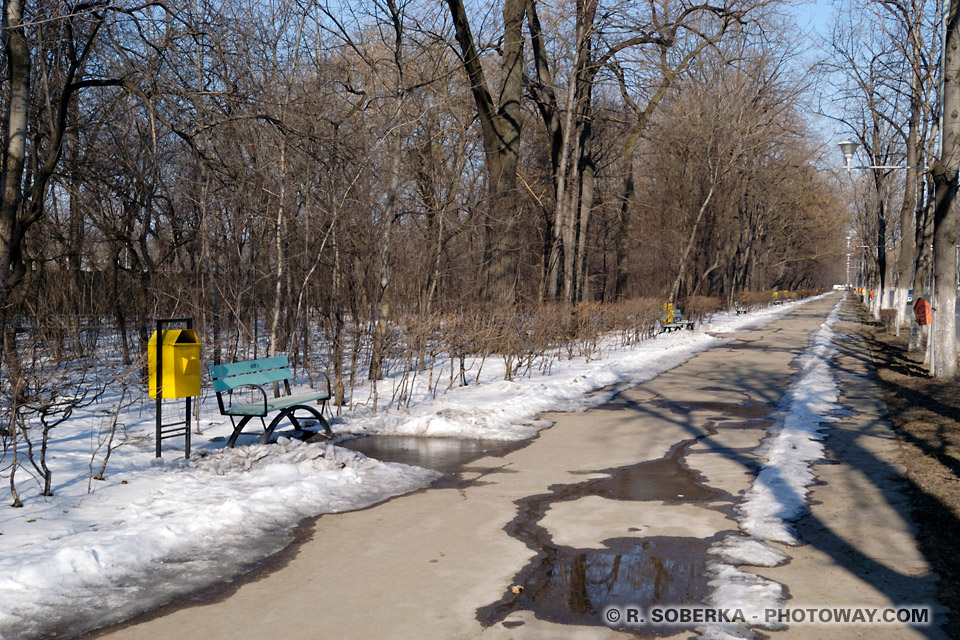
(258, 378)
(251, 366)
(245, 410)
(256, 408)
(297, 398)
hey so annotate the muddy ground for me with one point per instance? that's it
(926, 417)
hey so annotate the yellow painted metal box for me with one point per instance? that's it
(180, 362)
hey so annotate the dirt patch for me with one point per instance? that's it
(926, 417)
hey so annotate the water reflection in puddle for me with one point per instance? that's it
(749, 411)
(575, 586)
(666, 479)
(446, 455)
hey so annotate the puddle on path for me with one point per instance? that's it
(748, 410)
(186, 586)
(574, 586)
(446, 455)
(745, 344)
(743, 424)
(666, 479)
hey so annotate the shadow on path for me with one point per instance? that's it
(850, 363)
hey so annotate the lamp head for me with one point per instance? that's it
(848, 149)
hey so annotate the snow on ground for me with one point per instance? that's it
(778, 496)
(97, 552)
(746, 550)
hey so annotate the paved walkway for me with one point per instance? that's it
(576, 521)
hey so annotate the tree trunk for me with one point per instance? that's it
(881, 286)
(11, 177)
(623, 215)
(908, 246)
(337, 304)
(904, 266)
(945, 172)
(588, 178)
(501, 125)
(923, 267)
(382, 311)
(675, 291)
(280, 259)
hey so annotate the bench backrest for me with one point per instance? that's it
(227, 377)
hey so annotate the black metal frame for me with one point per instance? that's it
(182, 428)
(288, 413)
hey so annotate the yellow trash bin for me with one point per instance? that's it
(180, 362)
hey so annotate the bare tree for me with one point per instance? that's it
(946, 174)
(501, 124)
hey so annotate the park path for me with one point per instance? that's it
(580, 522)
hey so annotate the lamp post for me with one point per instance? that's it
(848, 261)
(849, 149)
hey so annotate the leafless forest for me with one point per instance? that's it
(354, 182)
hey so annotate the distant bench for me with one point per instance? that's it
(254, 375)
(740, 310)
(672, 319)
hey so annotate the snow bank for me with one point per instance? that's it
(222, 502)
(741, 550)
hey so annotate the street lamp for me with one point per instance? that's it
(849, 238)
(848, 149)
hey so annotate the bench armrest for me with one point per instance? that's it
(258, 388)
(326, 378)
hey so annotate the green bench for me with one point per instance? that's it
(740, 310)
(254, 375)
(672, 320)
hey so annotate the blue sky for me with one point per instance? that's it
(815, 14)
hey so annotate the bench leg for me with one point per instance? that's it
(288, 413)
(318, 415)
(273, 425)
(237, 429)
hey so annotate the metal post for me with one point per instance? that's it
(159, 378)
(186, 431)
